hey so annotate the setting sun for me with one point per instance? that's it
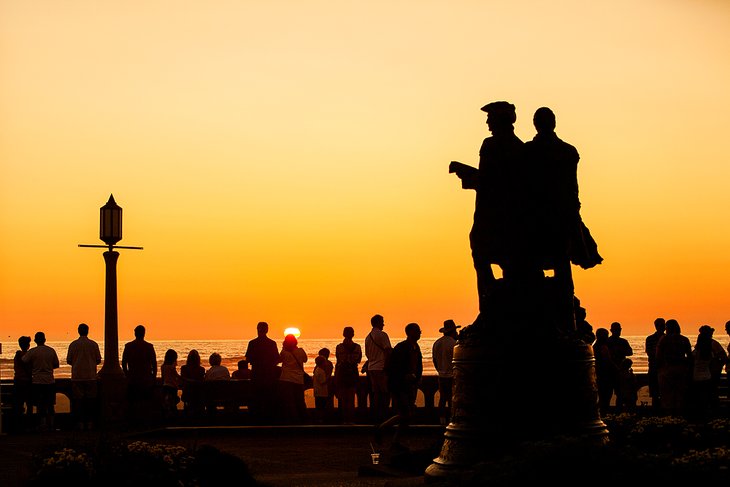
(292, 331)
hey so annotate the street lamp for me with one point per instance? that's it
(111, 374)
(110, 232)
(110, 226)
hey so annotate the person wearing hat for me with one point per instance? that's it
(498, 214)
(443, 354)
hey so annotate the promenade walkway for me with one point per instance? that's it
(324, 456)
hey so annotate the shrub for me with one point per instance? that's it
(140, 463)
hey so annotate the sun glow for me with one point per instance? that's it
(292, 331)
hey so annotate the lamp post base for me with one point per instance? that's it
(112, 397)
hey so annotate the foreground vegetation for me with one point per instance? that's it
(643, 450)
(139, 463)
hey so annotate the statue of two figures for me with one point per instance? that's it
(520, 370)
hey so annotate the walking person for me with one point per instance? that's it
(43, 360)
(405, 369)
(348, 355)
(139, 363)
(377, 350)
(22, 386)
(263, 356)
(84, 356)
(443, 355)
(652, 374)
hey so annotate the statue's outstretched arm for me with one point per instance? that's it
(469, 175)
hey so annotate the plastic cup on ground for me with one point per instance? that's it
(376, 458)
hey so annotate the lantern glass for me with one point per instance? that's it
(110, 229)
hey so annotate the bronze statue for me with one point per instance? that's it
(526, 221)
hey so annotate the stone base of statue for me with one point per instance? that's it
(519, 376)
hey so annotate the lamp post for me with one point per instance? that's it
(111, 374)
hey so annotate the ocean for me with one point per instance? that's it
(232, 351)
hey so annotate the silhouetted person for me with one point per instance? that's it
(443, 355)
(620, 349)
(291, 383)
(377, 351)
(629, 386)
(717, 363)
(329, 369)
(192, 374)
(22, 386)
(700, 393)
(652, 374)
(674, 358)
(43, 359)
(405, 369)
(727, 330)
(84, 356)
(607, 371)
(242, 372)
(263, 356)
(321, 389)
(216, 371)
(499, 203)
(139, 363)
(170, 382)
(348, 355)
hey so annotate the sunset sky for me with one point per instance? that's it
(287, 161)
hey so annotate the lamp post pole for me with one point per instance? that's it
(111, 376)
(111, 365)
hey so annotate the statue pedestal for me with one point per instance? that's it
(518, 377)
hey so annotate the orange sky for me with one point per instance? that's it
(288, 161)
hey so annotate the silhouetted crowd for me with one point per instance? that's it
(275, 377)
(683, 379)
